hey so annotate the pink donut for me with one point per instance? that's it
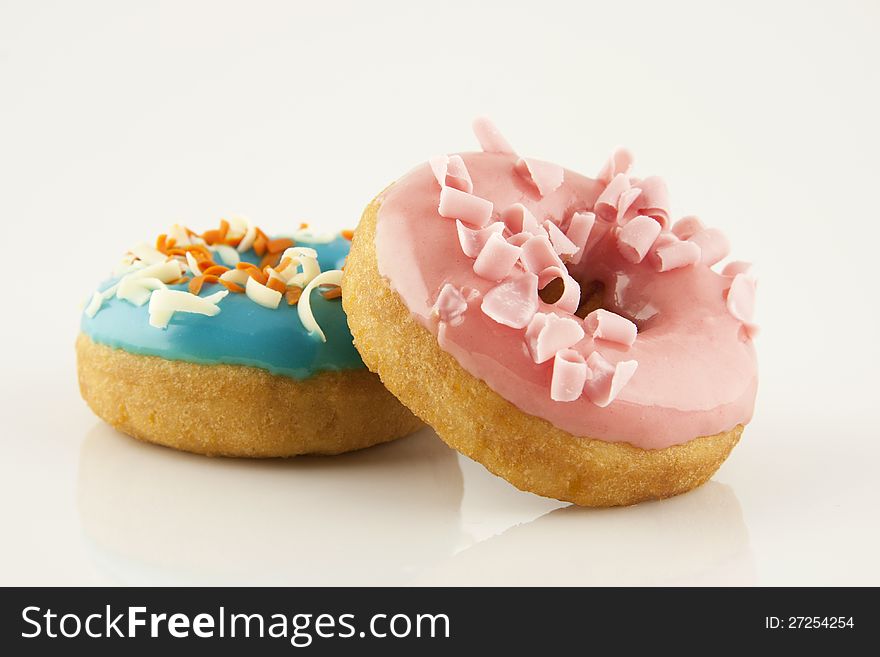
(574, 299)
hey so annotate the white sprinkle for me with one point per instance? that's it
(262, 295)
(304, 307)
(164, 303)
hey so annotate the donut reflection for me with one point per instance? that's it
(694, 539)
(153, 516)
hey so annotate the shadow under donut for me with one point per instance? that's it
(376, 516)
(698, 538)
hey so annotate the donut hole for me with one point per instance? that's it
(592, 298)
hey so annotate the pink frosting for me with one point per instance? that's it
(691, 370)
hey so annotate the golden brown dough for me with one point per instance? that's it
(528, 451)
(233, 410)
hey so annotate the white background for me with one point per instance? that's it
(118, 118)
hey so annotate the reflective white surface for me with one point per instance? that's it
(119, 118)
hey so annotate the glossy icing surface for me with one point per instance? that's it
(697, 370)
(243, 333)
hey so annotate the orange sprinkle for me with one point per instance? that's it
(303, 225)
(170, 243)
(233, 241)
(332, 293)
(195, 285)
(199, 250)
(245, 265)
(293, 295)
(260, 243)
(160, 242)
(257, 275)
(211, 236)
(285, 263)
(277, 285)
(347, 234)
(215, 270)
(269, 260)
(232, 287)
(210, 278)
(224, 228)
(278, 245)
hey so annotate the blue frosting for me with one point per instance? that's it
(244, 333)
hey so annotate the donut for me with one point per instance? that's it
(556, 328)
(233, 343)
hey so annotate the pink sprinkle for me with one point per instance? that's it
(561, 244)
(635, 238)
(741, 298)
(713, 245)
(738, 267)
(571, 290)
(606, 204)
(490, 138)
(578, 232)
(605, 381)
(611, 326)
(685, 227)
(497, 258)
(654, 201)
(538, 254)
(519, 219)
(451, 171)
(472, 210)
(545, 176)
(519, 239)
(472, 241)
(676, 255)
(451, 305)
(569, 376)
(547, 333)
(624, 204)
(619, 162)
(514, 302)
